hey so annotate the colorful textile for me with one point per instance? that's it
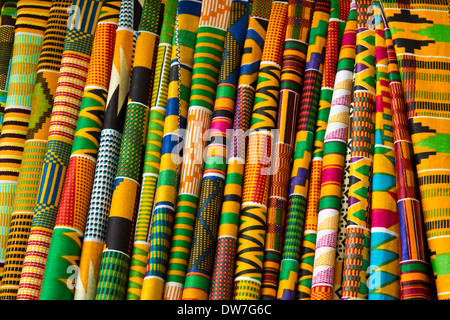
(304, 136)
(108, 150)
(59, 277)
(149, 150)
(292, 71)
(30, 26)
(222, 278)
(67, 100)
(116, 255)
(201, 259)
(211, 35)
(7, 25)
(340, 243)
(416, 281)
(152, 157)
(384, 232)
(338, 15)
(186, 27)
(356, 261)
(420, 33)
(333, 155)
(252, 226)
(35, 146)
(290, 94)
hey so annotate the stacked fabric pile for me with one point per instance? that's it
(224, 149)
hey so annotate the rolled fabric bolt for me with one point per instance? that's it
(119, 236)
(208, 52)
(32, 17)
(66, 107)
(222, 278)
(153, 149)
(186, 27)
(383, 280)
(108, 150)
(252, 226)
(201, 260)
(356, 260)
(59, 277)
(35, 147)
(292, 72)
(333, 162)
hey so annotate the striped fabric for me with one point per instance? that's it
(67, 100)
(108, 151)
(30, 27)
(255, 194)
(8, 18)
(116, 255)
(70, 222)
(186, 29)
(154, 141)
(35, 146)
(205, 76)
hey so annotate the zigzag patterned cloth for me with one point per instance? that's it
(384, 232)
(222, 277)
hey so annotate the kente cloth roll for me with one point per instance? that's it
(186, 28)
(416, 280)
(340, 241)
(224, 262)
(338, 17)
(201, 260)
(252, 224)
(69, 92)
(305, 125)
(292, 71)
(108, 150)
(211, 35)
(116, 255)
(153, 149)
(383, 281)
(291, 87)
(356, 261)
(8, 18)
(420, 33)
(35, 146)
(65, 247)
(30, 26)
(332, 155)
